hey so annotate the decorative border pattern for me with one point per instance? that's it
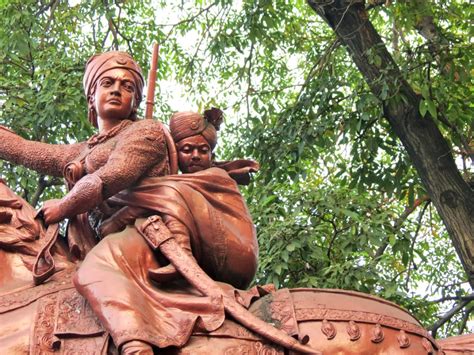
(42, 340)
(23, 297)
(318, 314)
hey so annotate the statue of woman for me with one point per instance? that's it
(140, 302)
(122, 152)
(138, 298)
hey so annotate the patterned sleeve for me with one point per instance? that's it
(44, 158)
(140, 148)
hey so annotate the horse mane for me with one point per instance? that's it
(20, 231)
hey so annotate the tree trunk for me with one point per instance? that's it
(426, 147)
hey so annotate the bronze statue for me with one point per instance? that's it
(204, 212)
(124, 150)
(174, 249)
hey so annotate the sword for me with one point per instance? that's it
(159, 237)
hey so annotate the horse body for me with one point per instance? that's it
(15, 329)
(19, 300)
(14, 273)
(52, 318)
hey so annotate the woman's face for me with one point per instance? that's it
(194, 154)
(115, 94)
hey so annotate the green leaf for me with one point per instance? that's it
(423, 107)
(432, 109)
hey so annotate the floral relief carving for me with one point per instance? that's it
(43, 341)
(22, 298)
(74, 315)
(308, 314)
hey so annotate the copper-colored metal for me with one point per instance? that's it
(353, 330)
(150, 97)
(428, 346)
(403, 339)
(328, 329)
(154, 227)
(377, 334)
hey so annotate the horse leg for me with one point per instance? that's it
(15, 329)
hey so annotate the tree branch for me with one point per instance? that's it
(413, 241)
(427, 148)
(455, 298)
(465, 318)
(447, 316)
(45, 8)
(398, 223)
(187, 20)
(42, 185)
(249, 81)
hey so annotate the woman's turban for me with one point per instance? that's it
(100, 63)
(188, 124)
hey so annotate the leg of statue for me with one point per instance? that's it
(158, 235)
(115, 281)
(113, 278)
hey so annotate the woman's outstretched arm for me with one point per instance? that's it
(48, 159)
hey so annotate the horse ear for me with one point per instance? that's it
(214, 116)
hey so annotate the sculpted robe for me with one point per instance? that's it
(208, 207)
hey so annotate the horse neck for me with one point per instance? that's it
(14, 273)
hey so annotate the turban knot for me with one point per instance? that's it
(188, 124)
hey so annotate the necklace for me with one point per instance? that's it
(103, 136)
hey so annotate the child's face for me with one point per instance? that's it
(194, 154)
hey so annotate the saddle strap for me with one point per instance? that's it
(43, 267)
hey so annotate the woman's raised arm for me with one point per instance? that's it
(44, 158)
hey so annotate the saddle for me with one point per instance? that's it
(65, 323)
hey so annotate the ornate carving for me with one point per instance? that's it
(267, 349)
(377, 334)
(283, 312)
(243, 349)
(74, 316)
(403, 339)
(21, 298)
(231, 329)
(219, 247)
(353, 330)
(256, 348)
(43, 340)
(64, 322)
(86, 345)
(328, 329)
(308, 314)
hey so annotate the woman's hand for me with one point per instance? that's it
(52, 212)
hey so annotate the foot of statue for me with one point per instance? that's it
(136, 347)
